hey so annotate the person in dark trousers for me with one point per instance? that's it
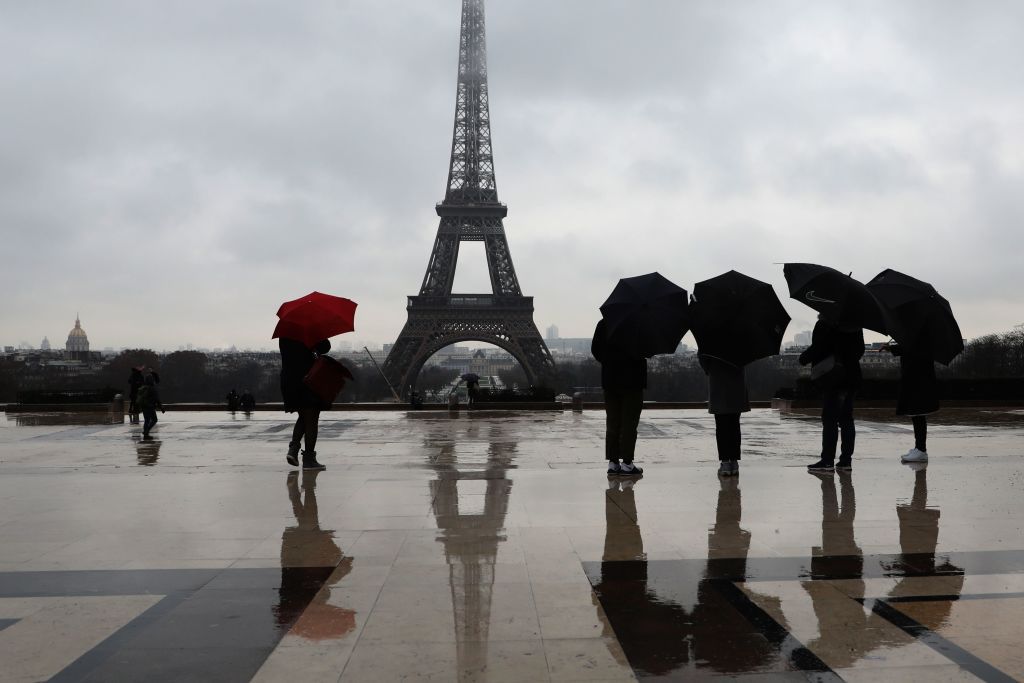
(148, 401)
(296, 361)
(472, 391)
(727, 399)
(247, 401)
(233, 399)
(623, 378)
(918, 395)
(841, 348)
(135, 382)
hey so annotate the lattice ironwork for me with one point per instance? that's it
(470, 212)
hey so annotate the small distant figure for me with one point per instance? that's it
(148, 401)
(247, 401)
(727, 400)
(416, 400)
(623, 378)
(234, 400)
(918, 395)
(472, 391)
(135, 382)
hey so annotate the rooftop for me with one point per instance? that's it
(492, 546)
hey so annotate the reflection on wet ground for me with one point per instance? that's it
(68, 418)
(945, 416)
(495, 548)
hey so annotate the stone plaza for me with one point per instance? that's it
(492, 546)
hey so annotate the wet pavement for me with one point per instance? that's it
(492, 546)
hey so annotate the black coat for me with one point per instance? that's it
(919, 388)
(847, 345)
(619, 371)
(296, 360)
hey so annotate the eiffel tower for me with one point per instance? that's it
(470, 212)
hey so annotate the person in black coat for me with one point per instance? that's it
(623, 378)
(918, 395)
(844, 345)
(135, 382)
(296, 361)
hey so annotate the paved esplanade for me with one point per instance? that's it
(493, 547)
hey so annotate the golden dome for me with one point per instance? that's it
(77, 331)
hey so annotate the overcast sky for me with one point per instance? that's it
(174, 171)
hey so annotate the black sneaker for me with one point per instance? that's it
(822, 466)
(292, 459)
(844, 465)
(628, 469)
(614, 468)
(724, 468)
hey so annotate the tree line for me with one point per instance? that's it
(192, 376)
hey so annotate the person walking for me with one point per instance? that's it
(727, 399)
(918, 395)
(148, 401)
(296, 361)
(623, 379)
(838, 347)
(135, 382)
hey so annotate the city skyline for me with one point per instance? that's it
(221, 161)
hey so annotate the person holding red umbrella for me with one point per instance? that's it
(302, 332)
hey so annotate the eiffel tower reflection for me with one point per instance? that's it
(470, 503)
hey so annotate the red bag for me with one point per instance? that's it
(326, 378)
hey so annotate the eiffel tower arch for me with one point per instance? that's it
(470, 212)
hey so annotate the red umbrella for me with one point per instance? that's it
(315, 316)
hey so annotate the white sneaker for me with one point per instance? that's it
(613, 467)
(914, 455)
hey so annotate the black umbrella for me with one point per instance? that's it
(471, 377)
(737, 318)
(917, 316)
(837, 296)
(645, 315)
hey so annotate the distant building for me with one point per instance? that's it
(552, 332)
(802, 338)
(77, 346)
(45, 344)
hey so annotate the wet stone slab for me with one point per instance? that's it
(493, 546)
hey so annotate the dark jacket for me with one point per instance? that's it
(846, 344)
(727, 386)
(296, 360)
(919, 388)
(619, 371)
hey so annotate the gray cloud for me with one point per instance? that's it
(175, 171)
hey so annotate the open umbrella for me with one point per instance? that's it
(315, 316)
(471, 377)
(917, 316)
(737, 318)
(645, 315)
(837, 296)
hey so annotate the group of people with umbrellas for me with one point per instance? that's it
(737, 319)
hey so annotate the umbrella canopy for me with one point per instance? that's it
(917, 316)
(737, 318)
(645, 315)
(837, 296)
(315, 316)
(471, 377)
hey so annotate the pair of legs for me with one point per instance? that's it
(836, 421)
(149, 420)
(727, 436)
(307, 427)
(622, 413)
